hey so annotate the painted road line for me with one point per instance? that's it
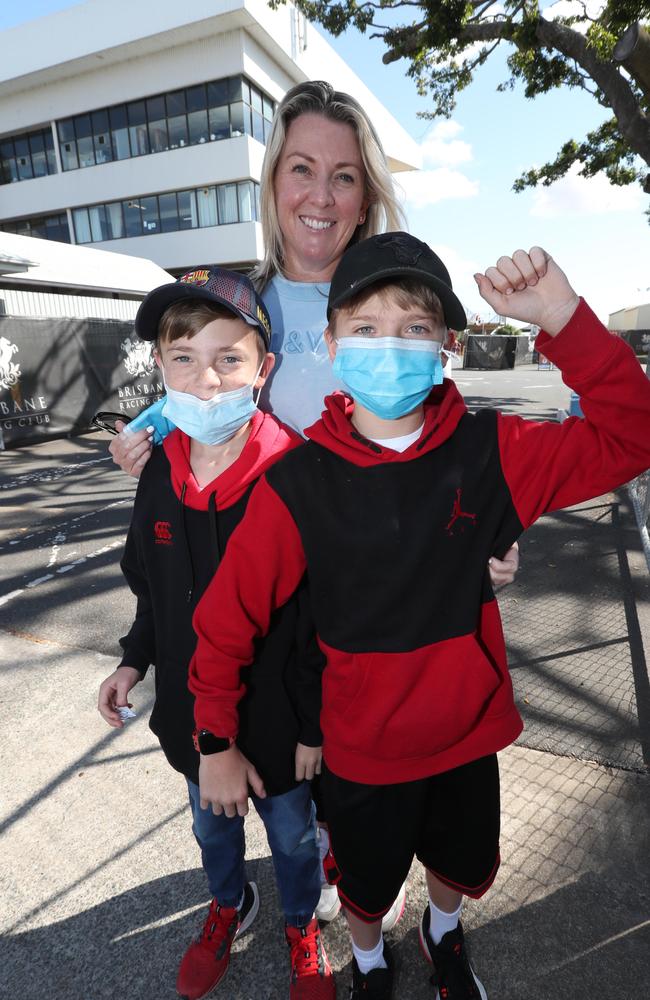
(49, 528)
(9, 597)
(51, 475)
(5, 598)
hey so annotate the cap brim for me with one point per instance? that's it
(454, 313)
(153, 306)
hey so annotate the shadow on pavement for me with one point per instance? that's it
(574, 639)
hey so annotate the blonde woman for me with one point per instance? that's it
(325, 185)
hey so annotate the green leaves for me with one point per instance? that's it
(604, 150)
(446, 40)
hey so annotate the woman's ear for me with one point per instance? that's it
(266, 369)
(330, 340)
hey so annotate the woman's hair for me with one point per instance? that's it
(318, 97)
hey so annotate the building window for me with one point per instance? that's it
(220, 109)
(45, 227)
(146, 215)
(119, 132)
(25, 156)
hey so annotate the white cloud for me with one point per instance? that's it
(573, 8)
(428, 187)
(442, 150)
(577, 195)
(440, 147)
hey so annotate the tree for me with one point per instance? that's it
(507, 330)
(606, 54)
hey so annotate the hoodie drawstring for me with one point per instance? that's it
(187, 545)
(368, 444)
(215, 538)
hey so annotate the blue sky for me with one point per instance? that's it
(463, 204)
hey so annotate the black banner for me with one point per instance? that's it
(56, 373)
(495, 352)
(639, 341)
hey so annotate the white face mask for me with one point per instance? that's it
(214, 420)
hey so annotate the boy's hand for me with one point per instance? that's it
(504, 570)
(113, 694)
(530, 287)
(224, 779)
(308, 761)
(131, 451)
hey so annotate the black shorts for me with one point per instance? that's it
(449, 821)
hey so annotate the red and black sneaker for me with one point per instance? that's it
(311, 975)
(453, 976)
(205, 962)
(377, 984)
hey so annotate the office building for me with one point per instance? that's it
(141, 127)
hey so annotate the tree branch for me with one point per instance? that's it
(634, 124)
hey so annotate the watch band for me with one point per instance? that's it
(207, 743)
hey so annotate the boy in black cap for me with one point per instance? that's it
(393, 507)
(212, 335)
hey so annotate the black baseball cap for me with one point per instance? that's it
(394, 255)
(211, 284)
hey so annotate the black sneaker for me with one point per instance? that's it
(453, 976)
(376, 984)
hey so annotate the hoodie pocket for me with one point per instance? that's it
(411, 704)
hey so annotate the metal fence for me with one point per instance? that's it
(639, 493)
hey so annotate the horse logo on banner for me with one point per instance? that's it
(139, 360)
(9, 372)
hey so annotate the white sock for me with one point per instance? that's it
(441, 922)
(369, 960)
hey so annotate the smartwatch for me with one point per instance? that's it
(207, 743)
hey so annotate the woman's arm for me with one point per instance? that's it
(131, 449)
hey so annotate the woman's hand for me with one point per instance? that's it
(504, 570)
(308, 761)
(131, 449)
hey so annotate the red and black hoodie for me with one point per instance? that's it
(176, 541)
(396, 547)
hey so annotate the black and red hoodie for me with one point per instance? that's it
(396, 547)
(175, 543)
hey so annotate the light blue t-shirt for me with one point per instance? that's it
(302, 376)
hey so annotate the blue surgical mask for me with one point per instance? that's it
(390, 376)
(214, 420)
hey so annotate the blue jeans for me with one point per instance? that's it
(289, 820)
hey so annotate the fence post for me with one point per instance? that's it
(639, 494)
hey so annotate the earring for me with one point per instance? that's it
(362, 218)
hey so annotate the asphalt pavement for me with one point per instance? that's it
(101, 884)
